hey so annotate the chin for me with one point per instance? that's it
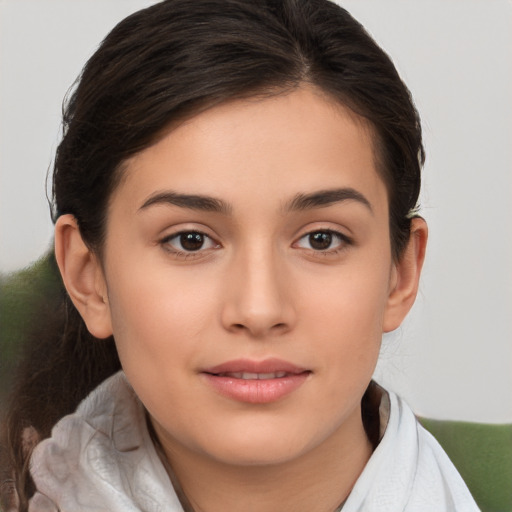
(258, 447)
(256, 455)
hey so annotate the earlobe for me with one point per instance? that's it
(83, 277)
(407, 275)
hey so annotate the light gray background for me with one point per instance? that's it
(453, 356)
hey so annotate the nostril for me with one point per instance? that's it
(238, 327)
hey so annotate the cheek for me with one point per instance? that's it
(158, 320)
(159, 331)
(353, 297)
(346, 317)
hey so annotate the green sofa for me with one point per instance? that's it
(481, 452)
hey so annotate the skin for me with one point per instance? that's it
(257, 288)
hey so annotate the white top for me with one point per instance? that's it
(102, 458)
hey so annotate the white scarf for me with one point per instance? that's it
(101, 458)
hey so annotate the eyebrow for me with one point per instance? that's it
(300, 202)
(191, 201)
(324, 198)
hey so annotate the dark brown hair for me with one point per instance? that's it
(169, 62)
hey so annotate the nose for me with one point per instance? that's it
(258, 301)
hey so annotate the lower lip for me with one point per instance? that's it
(256, 391)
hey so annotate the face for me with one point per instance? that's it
(248, 272)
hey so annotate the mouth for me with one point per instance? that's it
(253, 376)
(256, 382)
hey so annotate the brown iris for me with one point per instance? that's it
(320, 240)
(192, 241)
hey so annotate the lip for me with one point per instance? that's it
(226, 379)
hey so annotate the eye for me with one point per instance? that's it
(324, 240)
(189, 242)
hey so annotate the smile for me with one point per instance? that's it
(256, 382)
(253, 376)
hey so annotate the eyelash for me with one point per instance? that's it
(343, 242)
(183, 253)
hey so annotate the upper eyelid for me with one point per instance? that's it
(344, 242)
(183, 253)
(308, 231)
(173, 231)
(192, 227)
(333, 231)
(183, 231)
(172, 236)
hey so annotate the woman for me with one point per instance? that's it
(234, 199)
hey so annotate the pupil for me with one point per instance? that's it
(192, 241)
(320, 241)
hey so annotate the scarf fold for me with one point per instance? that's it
(102, 458)
(409, 471)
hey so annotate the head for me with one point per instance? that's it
(173, 60)
(218, 103)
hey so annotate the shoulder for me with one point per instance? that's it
(104, 445)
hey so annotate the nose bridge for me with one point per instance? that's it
(258, 300)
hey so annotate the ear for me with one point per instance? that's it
(83, 277)
(406, 276)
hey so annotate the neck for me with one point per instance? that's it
(318, 480)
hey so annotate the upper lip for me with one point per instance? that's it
(272, 365)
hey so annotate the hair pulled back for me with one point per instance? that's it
(178, 57)
(164, 64)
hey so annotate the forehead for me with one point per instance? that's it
(291, 143)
